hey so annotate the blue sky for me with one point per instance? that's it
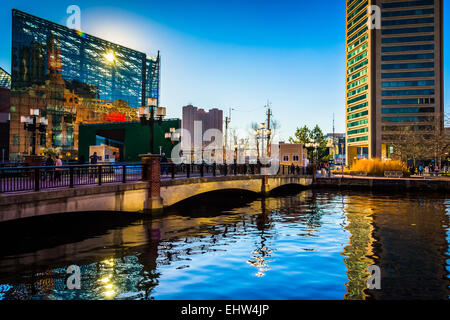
(228, 53)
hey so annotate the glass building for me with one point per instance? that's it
(394, 75)
(72, 78)
(5, 79)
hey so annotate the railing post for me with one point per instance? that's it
(99, 174)
(225, 169)
(201, 170)
(188, 170)
(37, 178)
(70, 177)
(124, 173)
(173, 170)
(214, 169)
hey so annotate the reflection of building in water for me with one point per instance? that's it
(358, 252)
(412, 249)
(72, 79)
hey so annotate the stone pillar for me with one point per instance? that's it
(151, 172)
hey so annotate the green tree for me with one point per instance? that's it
(302, 135)
(315, 136)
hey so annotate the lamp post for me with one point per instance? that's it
(34, 123)
(146, 111)
(172, 135)
(262, 133)
(238, 148)
(313, 145)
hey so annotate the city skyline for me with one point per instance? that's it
(304, 61)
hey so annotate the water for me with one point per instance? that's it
(308, 245)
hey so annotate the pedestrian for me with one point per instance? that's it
(58, 170)
(94, 158)
(164, 164)
(420, 169)
(49, 162)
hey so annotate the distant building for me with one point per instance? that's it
(213, 119)
(336, 147)
(293, 153)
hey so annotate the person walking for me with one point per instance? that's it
(420, 169)
(49, 162)
(58, 170)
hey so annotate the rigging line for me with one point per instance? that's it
(249, 110)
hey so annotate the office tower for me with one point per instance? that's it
(394, 76)
(72, 78)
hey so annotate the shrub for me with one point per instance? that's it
(376, 167)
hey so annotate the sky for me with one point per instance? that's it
(229, 54)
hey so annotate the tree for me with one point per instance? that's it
(315, 136)
(302, 135)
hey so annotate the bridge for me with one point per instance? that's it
(147, 187)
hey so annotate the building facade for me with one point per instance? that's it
(72, 78)
(394, 74)
(293, 153)
(336, 147)
(130, 139)
(5, 99)
(212, 119)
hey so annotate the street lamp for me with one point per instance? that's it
(313, 145)
(146, 111)
(34, 123)
(262, 133)
(238, 148)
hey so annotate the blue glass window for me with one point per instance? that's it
(407, 4)
(406, 110)
(408, 92)
(407, 119)
(407, 21)
(417, 83)
(418, 65)
(408, 39)
(407, 101)
(407, 74)
(420, 56)
(408, 48)
(407, 13)
(407, 30)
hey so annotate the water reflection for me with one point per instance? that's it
(311, 245)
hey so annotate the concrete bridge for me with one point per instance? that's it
(149, 195)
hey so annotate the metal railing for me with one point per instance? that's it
(22, 179)
(178, 171)
(18, 179)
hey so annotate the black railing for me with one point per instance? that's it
(17, 179)
(20, 179)
(177, 171)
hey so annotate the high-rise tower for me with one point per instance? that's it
(394, 76)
